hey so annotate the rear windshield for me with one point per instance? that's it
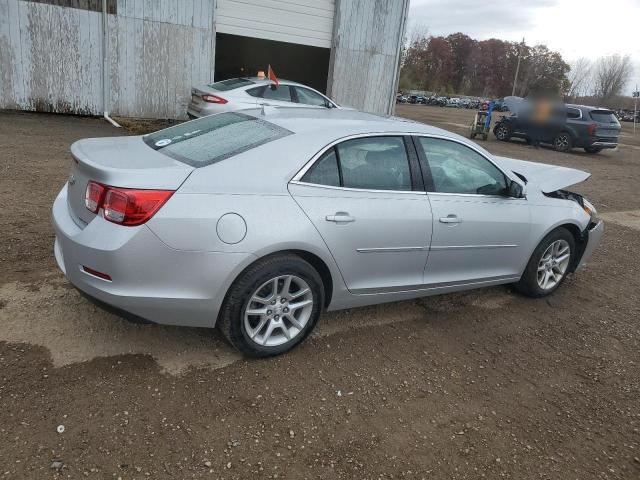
(230, 84)
(214, 138)
(603, 116)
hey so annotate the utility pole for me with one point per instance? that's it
(636, 94)
(515, 79)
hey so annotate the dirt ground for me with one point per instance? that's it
(483, 384)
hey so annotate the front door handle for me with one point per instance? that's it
(451, 218)
(340, 217)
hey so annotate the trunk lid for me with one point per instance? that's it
(121, 162)
(547, 178)
(607, 124)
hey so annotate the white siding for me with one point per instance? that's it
(306, 22)
(366, 52)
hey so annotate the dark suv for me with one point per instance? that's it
(591, 128)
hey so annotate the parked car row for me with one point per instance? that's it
(627, 115)
(452, 102)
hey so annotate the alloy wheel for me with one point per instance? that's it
(278, 310)
(562, 142)
(503, 132)
(553, 264)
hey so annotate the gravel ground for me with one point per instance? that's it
(482, 384)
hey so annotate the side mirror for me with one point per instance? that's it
(515, 190)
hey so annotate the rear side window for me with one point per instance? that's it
(230, 84)
(371, 163)
(573, 113)
(281, 93)
(603, 116)
(255, 92)
(214, 138)
(325, 171)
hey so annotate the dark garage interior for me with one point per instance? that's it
(238, 56)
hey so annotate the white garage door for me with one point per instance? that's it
(307, 22)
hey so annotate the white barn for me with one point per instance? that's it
(139, 58)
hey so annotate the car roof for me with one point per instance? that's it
(303, 120)
(265, 81)
(586, 107)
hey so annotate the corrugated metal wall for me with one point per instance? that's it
(366, 52)
(51, 56)
(157, 51)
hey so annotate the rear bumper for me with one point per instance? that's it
(594, 235)
(602, 144)
(148, 279)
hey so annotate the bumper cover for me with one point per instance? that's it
(594, 235)
(149, 279)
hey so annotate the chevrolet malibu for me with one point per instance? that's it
(257, 221)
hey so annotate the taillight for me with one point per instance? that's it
(93, 196)
(214, 99)
(125, 206)
(591, 129)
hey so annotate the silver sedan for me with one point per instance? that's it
(252, 92)
(257, 221)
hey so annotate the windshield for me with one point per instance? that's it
(214, 138)
(230, 84)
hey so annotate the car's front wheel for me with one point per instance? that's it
(549, 264)
(503, 133)
(272, 306)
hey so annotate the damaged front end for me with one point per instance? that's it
(590, 237)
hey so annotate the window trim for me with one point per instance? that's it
(426, 170)
(297, 178)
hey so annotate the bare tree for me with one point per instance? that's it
(611, 74)
(579, 77)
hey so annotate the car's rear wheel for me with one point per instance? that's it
(592, 149)
(562, 142)
(503, 133)
(272, 306)
(549, 264)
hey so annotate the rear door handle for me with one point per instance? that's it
(451, 218)
(340, 217)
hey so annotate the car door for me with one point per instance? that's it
(479, 233)
(365, 197)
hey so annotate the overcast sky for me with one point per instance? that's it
(575, 28)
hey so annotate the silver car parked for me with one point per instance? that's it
(257, 221)
(241, 93)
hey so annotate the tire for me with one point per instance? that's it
(502, 132)
(562, 142)
(258, 281)
(533, 281)
(592, 149)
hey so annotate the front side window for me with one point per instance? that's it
(280, 93)
(371, 163)
(214, 138)
(456, 168)
(309, 97)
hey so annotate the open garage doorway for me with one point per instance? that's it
(238, 56)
